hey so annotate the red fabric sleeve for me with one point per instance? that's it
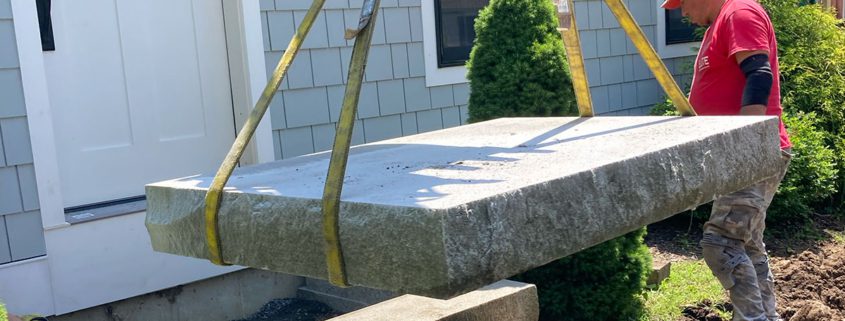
(745, 30)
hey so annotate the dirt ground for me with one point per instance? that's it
(809, 271)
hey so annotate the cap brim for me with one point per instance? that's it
(671, 4)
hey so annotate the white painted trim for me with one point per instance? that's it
(435, 76)
(25, 287)
(248, 78)
(39, 115)
(672, 51)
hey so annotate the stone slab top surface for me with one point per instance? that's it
(442, 213)
(447, 168)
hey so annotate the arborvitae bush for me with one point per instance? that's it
(601, 283)
(518, 68)
(518, 65)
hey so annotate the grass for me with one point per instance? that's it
(690, 282)
(3, 314)
(837, 236)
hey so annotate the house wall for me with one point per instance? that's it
(21, 234)
(395, 100)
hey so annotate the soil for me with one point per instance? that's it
(809, 270)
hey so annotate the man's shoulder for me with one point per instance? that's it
(745, 9)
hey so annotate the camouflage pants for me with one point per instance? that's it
(734, 250)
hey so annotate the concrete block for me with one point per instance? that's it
(8, 45)
(16, 143)
(442, 96)
(502, 301)
(391, 97)
(29, 189)
(342, 299)
(325, 64)
(296, 141)
(304, 107)
(379, 64)
(281, 28)
(417, 96)
(610, 67)
(26, 235)
(11, 89)
(400, 25)
(659, 272)
(5, 252)
(399, 54)
(409, 124)
(429, 120)
(471, 204)
(336, 27)
(318, 36)
(416, 60)
(415, 16)
(381, 128)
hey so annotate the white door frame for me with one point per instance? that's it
(247, 77)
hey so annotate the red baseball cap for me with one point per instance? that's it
(671, 4)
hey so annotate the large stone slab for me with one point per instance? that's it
(443, 213)
(502, 301)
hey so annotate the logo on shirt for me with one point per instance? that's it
(703, 63)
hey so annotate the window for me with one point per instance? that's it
(675, 36)
(678, 29)
(455, 20)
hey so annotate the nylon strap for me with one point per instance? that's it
(213, 196)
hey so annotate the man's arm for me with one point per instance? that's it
(758, 81)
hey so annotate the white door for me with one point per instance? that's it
(139, 92)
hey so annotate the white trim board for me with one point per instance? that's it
(671, 51)
(435, 76)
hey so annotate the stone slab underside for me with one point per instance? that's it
(446, 212)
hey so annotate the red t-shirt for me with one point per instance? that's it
(742, 25)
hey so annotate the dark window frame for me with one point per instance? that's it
(442, 60)
(678, 31)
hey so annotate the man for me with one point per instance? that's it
(736, 73)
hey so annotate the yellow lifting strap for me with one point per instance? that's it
(342, 140)
(569, 32)
(212, 197)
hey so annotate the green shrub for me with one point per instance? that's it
(811, 49)
(600, 283)
(518, 66)
(812, 175)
